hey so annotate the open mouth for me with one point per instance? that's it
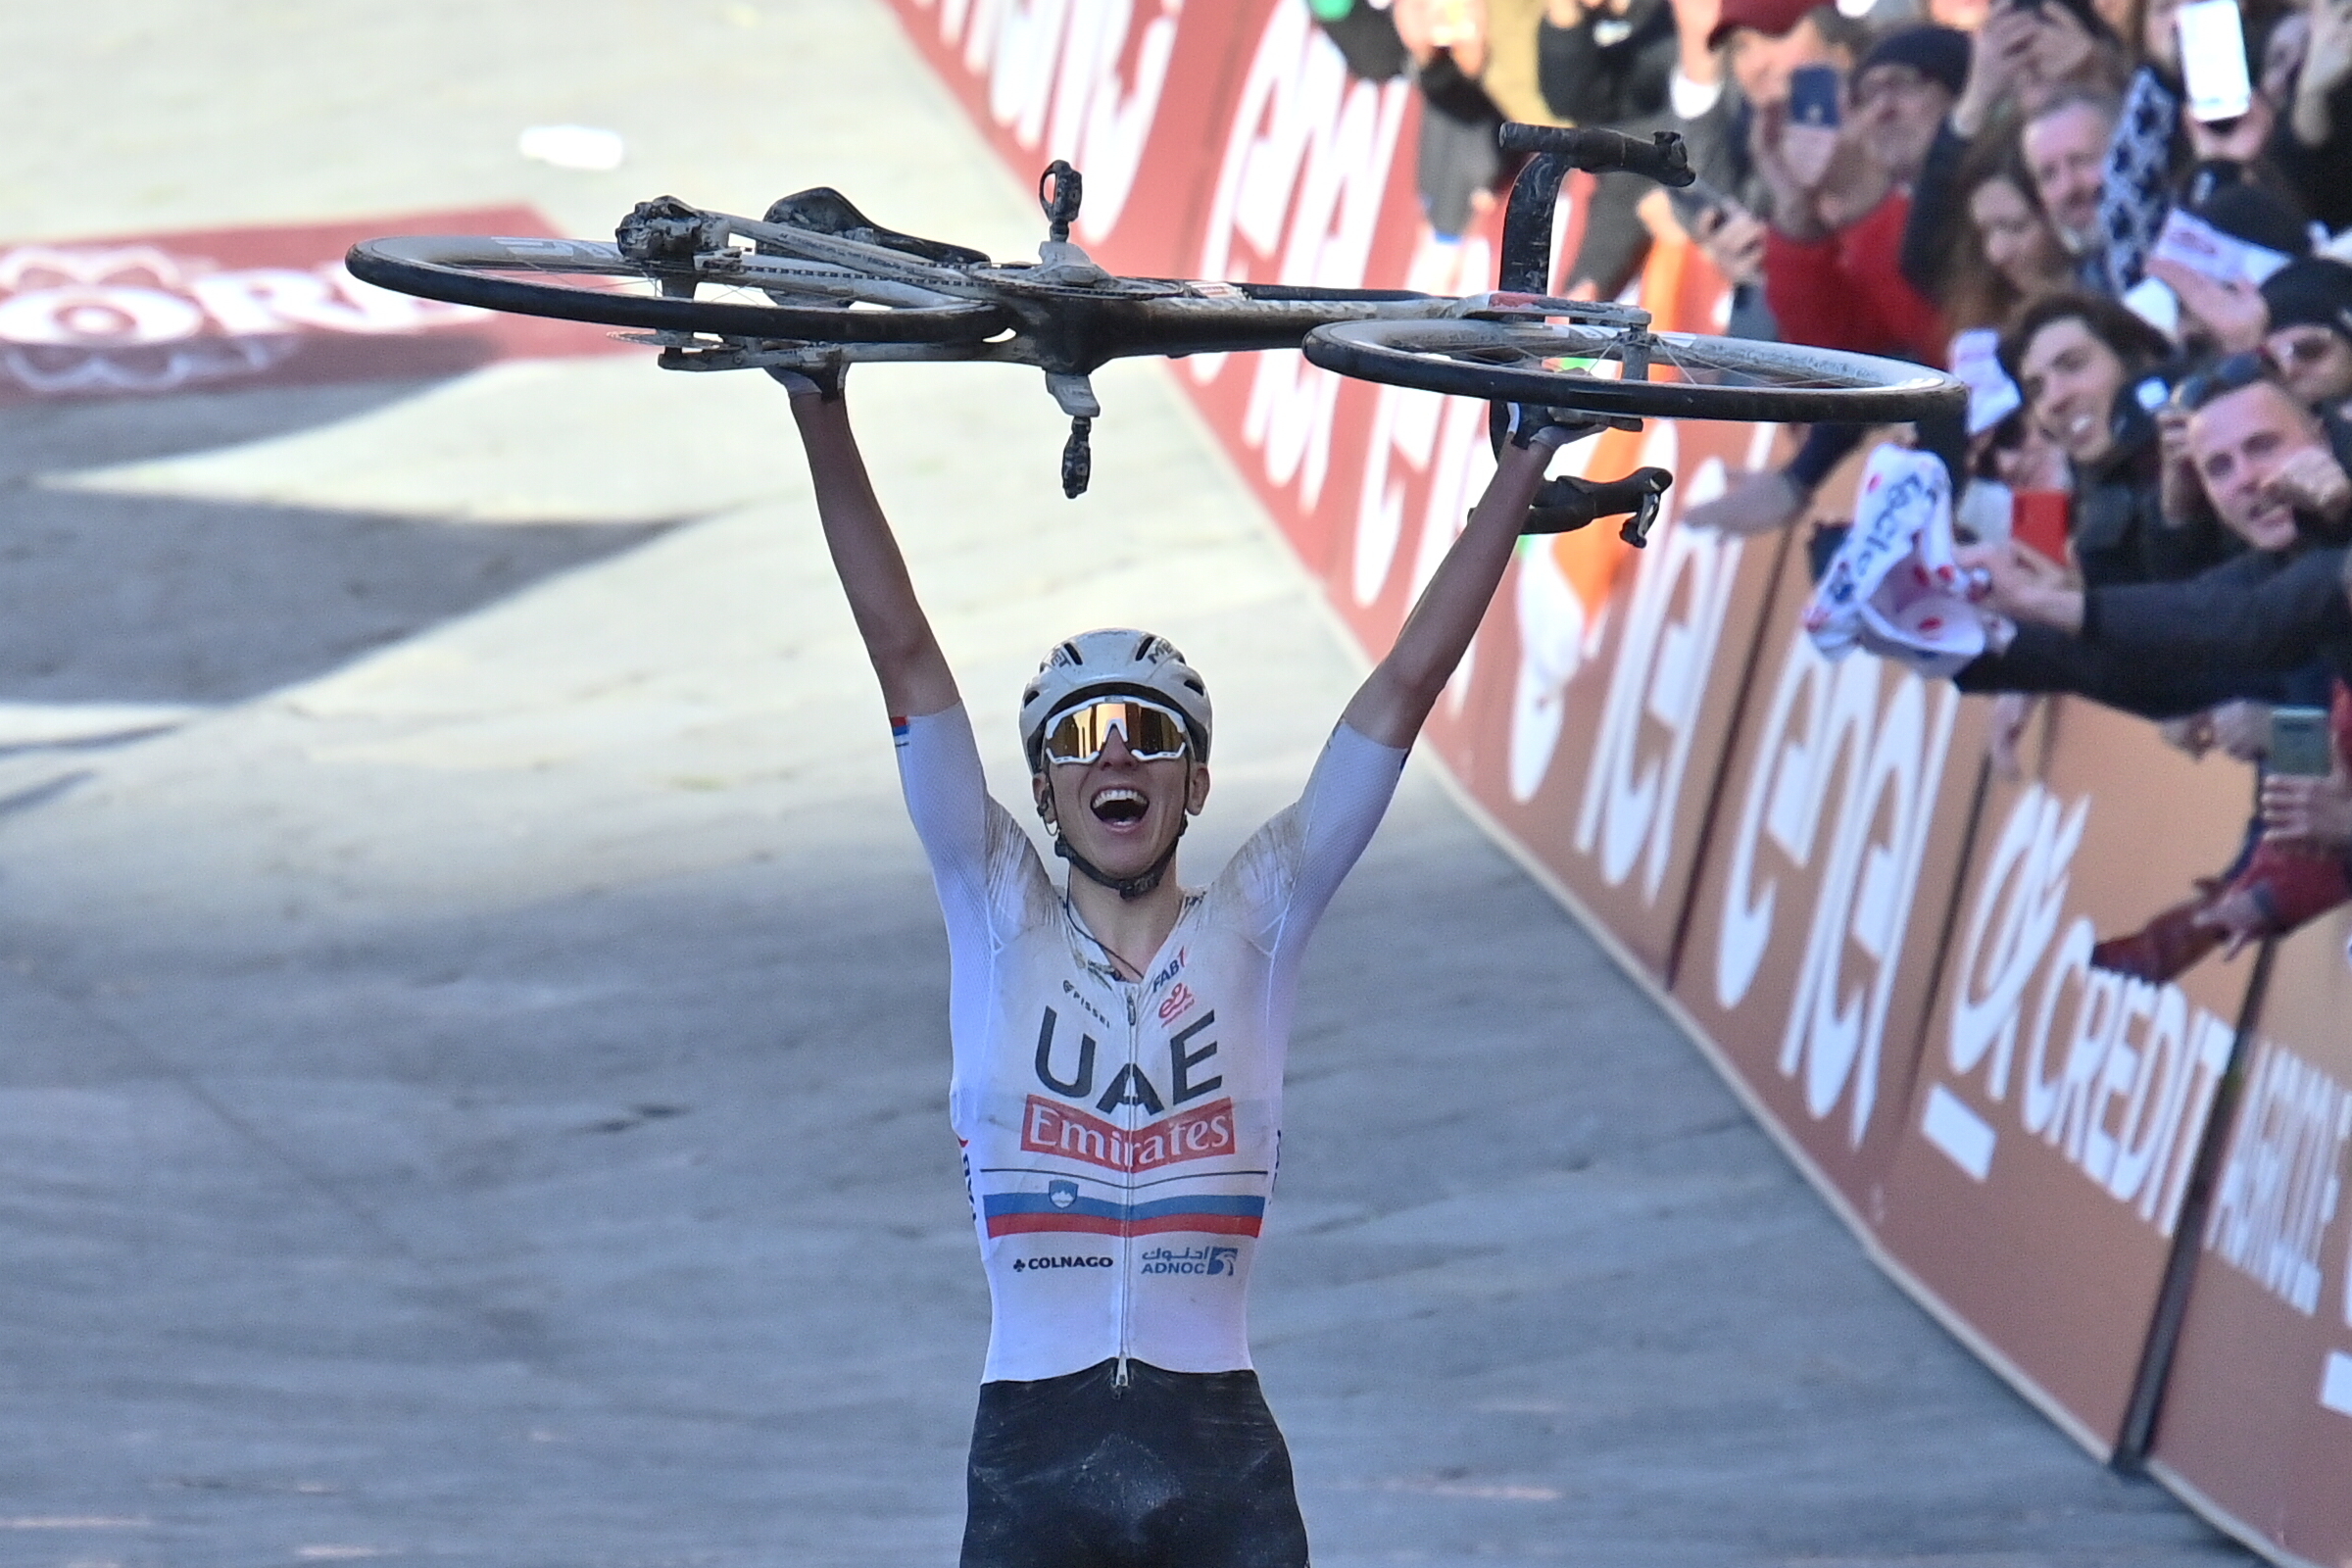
(1119, 805)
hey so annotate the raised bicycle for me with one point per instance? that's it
(815, 281)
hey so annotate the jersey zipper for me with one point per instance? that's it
(1118, 1375)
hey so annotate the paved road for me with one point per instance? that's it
(473, 1085)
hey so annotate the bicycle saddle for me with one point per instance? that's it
(822, 209)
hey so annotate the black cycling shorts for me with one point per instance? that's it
(1174, 1470)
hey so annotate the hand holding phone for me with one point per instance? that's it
(2213, 60)
(1813, 96)
(2300, 744)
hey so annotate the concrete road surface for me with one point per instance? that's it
(475, 1070)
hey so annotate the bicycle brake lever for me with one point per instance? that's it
(1566, 504)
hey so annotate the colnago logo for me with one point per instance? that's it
(1030, 1265)
(2284, 1180)
(1844, 792)
(1298, 192)
(1075, 76)
(1200, 1133)
(1204, 1260)
(141, 319)
(2115, 1074)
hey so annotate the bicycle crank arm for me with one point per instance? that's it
(1566, 504)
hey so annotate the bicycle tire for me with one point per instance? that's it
(521, 275)
(1510, 361)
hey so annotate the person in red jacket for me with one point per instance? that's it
(1832, 273)
(1841, 198)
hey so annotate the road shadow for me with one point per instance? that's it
(161, 599)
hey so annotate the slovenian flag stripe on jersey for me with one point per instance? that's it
(1012, 1214)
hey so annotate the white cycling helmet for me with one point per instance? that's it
(1114, 661)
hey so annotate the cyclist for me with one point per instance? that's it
(1118, 1042)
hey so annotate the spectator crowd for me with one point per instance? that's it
(2125, 223)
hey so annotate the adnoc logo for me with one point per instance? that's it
(1193, 1260)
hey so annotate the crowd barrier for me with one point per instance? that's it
(2124, 1196)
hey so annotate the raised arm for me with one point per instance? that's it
(914, 675)
(1396, 697)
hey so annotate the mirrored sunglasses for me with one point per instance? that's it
(1152, 733)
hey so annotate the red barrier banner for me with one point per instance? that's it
(1846, 808)
(1128, 92)
(2256, 1426)
(2059, 1107)
(247, 307)
(1604, 701)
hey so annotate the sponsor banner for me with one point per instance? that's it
(1128, 91)
(1836, 841)
(2257, 1417)
(2058, 1109)
(247, 307)
(1602, 705)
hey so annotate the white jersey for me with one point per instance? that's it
(1119, 1136)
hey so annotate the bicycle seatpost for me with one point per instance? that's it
(1527, 221)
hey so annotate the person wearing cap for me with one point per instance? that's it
(2308, 308)
(1735, 63)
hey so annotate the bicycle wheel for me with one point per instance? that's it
(590, 281)
(1570, 366)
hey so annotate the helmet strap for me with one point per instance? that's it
(1129, 887)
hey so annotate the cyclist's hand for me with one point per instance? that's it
(1533, 426)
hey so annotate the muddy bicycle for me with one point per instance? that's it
(815, 282)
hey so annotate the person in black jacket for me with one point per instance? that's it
(2278, 478)
(2090, 371)
(2272, 626)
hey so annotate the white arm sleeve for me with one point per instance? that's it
(1289, 870)
(976, 851)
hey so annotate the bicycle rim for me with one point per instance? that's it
(1692, 376)
(590, 281)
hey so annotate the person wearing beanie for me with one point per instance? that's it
(2309, 338)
